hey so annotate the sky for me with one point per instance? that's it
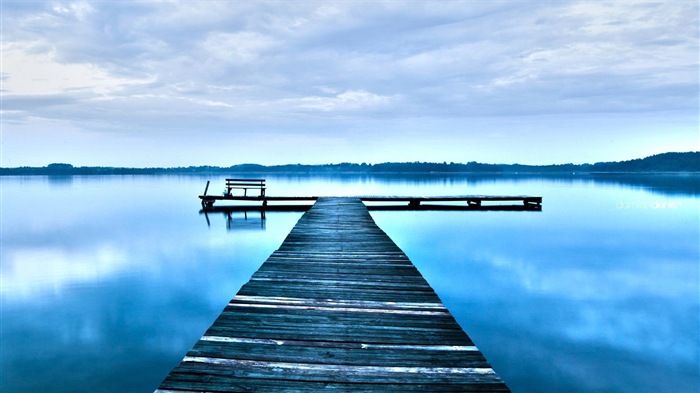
(179, 83)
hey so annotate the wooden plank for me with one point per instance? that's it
(337, 306)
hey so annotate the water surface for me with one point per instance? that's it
(108, 281)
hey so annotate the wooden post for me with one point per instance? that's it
(206, 188)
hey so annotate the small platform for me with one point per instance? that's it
(338, 306)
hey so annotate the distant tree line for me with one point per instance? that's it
(666, 162)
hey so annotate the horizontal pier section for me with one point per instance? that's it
(455, 202)
(337, 306)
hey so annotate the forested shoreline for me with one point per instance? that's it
(665, 162)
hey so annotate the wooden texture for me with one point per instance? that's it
(337, 307)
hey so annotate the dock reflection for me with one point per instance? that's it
(247, 217)
(239, 219)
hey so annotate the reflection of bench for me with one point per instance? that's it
(245, 184)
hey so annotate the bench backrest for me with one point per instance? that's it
(245, 184)
(249, 183)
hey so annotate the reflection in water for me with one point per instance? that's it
(577, 299)
(679, 184)
(687, 184)
(238, 220)
(27, 273)
(58, 180)
(105, 288)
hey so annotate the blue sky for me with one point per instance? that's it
(177, 83)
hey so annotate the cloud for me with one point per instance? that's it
(78, 10)
(350, 100)
(636, 42)
(32, 68)
(163, 65)
(441, 59)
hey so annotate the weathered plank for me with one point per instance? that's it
(338, 306)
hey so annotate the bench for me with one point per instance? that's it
(245, 184)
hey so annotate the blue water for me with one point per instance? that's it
(108, 281)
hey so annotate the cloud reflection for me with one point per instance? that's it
(29, 272)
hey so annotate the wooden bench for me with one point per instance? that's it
(245, 184)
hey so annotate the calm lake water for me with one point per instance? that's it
(108, 281)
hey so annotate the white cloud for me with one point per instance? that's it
(79, 10)
(29, 71)
(349, 100)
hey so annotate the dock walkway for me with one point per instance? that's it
(338, 306)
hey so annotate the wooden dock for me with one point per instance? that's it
(382, 202)
(338, 306)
